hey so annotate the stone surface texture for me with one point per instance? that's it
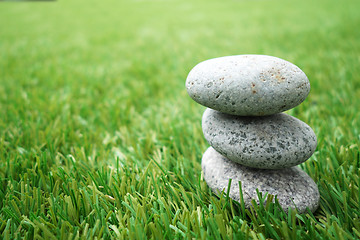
(268, 142)
(248, 85)
(292, 186)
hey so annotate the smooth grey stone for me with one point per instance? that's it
(248, 85)
(292, 186)
(268, 142)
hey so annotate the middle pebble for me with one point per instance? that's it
(270, 142)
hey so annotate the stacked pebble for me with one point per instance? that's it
(251, 140)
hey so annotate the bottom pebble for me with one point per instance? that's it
(292, 186)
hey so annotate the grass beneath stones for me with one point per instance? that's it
(98, 138)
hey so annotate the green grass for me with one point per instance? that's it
(99, 139)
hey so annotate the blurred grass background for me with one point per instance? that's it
(99, 139)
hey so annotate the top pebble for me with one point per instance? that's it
(248, 85)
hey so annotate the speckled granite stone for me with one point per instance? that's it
(269, 142)
(248, 85)
(292, 186)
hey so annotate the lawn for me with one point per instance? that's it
(99, 139)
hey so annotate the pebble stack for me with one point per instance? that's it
(251, 140)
